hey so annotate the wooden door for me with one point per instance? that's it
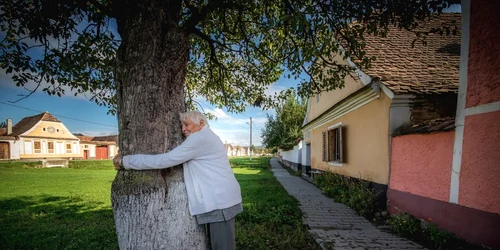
(101, 152)
(4, 150)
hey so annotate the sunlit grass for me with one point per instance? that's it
(70, 208)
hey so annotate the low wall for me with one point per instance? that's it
(476, 226)
(293, 165)
(419, 184)
(293, 158)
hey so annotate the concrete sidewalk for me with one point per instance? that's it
(334, 225)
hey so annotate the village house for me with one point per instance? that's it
(347, 131)
(40, 136)
(44, 137)
(447, 171)
(99, 147)
(421, 123)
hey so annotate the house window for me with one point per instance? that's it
(57, 130)
(86, 146)
(44, 129)
(27, 147)
(332, 145)
(37, 147)
(50, 146)
(68, 148)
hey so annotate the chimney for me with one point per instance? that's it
(9, 126)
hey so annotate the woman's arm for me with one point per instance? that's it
(182, 153)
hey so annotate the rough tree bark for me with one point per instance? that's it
(150, 207)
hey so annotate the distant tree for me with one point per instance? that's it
(284, 130)
(78, 134)
(3, 124)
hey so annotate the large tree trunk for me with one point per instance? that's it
(150, 207)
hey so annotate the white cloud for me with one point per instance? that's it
(238, 137)
(6, 81)
(274, 89)
(219, 113)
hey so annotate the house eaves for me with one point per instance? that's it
(352, 102)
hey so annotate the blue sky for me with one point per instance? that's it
(82, 116)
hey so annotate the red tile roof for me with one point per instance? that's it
(422, 69)
(28, 122)
(430, 126)
(109, 139)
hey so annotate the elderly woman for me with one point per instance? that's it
(213, 193)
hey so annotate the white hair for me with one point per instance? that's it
(194, 116)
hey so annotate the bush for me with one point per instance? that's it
(92, 164)
(20, 164)
(427, 233)
(405, 225)
(355, 193)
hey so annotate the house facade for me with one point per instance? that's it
(229, 149)
(98, 147)
(40, 136)
(43, 136)
(236, 150)
(348, 131)
(448, 172)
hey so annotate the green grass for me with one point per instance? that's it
(56, 208)
(70, 208)
(271, 218)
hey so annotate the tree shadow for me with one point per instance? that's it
(56, 222)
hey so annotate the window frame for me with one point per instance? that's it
(332, 147)
(53, 147)
(34, 147)
(70, 148)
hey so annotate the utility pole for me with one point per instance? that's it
(250, 148)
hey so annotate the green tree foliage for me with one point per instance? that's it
(237, 48)
(284, 130)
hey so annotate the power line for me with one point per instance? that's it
(257, 127)
(60, 116)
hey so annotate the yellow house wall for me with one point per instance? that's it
(62, 133)
(366, 139)
(330, 98)
(44, 151)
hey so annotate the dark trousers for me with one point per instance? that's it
(222, 235)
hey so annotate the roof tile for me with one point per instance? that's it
(425, 68)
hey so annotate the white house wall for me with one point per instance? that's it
(292, 158)
(111, 151)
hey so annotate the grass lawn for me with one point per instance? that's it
(70, 208)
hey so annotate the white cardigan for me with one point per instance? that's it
(209, 179)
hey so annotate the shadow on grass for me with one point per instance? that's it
(53, 222)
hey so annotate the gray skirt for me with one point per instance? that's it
(219, 214)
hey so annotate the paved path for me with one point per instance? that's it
(334, 225)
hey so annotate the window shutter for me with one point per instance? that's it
(331, 144)
(341, 145)
(325, 146)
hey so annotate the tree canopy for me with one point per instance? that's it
(237, 48)
(284, 130)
